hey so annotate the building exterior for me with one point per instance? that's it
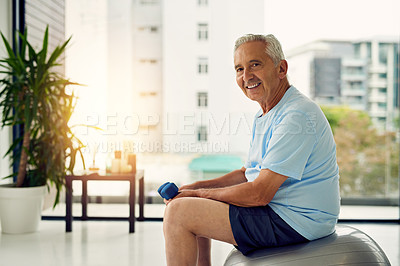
(382, 55)
(121, 45)
(203, 109)
(316, 69)
(354, 81)
(162, 82)
(147, 72)
(361, 74)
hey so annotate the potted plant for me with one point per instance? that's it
(34, 96)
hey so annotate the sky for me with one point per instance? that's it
(296, 22)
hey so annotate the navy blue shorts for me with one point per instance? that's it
(260, 227)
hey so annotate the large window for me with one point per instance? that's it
(126, 52)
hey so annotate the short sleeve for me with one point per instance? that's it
(290, 145)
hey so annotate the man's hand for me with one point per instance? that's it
(203, 189)
(185, 193)
(188, 186)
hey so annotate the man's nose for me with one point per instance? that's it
(247, 75)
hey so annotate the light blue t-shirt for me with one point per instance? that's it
(294, 139)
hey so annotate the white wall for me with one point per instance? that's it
(6, 133)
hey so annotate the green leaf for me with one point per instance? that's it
(43, 53)
(8, 47)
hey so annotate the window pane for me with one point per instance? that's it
(203, 65)
(355, 83)
(145, 58)
(202, 133)
(203, 31)
(202, 2)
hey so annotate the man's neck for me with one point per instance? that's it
(280, 92)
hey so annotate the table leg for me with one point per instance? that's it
(132, 193)
(84, 200)
(141, 199)
(68, 203)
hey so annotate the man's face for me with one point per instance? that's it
(256, 74)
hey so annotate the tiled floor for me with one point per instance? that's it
(91, 243)
(101, 243)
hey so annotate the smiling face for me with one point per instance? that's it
(257, 75)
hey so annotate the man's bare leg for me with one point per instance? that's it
(186, 219)
(204, 247)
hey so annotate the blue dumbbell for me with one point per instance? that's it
(168, 190)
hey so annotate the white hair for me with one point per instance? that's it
(273, 47)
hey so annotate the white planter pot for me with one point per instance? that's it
(21, 208)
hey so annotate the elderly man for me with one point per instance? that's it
(288, 190)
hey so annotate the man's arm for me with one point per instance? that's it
(248, 194)
(230, 179)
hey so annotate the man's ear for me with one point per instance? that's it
(283, 68)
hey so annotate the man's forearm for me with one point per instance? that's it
(246, 194)
(230, 179)
(240, 195)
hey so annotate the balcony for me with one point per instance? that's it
(377, 113)
(352, 92)
(353, 77)
(377, 83)
(377, 69)
(376, 97)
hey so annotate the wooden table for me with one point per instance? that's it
(130, 177)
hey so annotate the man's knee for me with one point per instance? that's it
(175, 211)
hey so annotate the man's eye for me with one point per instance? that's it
(239, 69)
(255, 64)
